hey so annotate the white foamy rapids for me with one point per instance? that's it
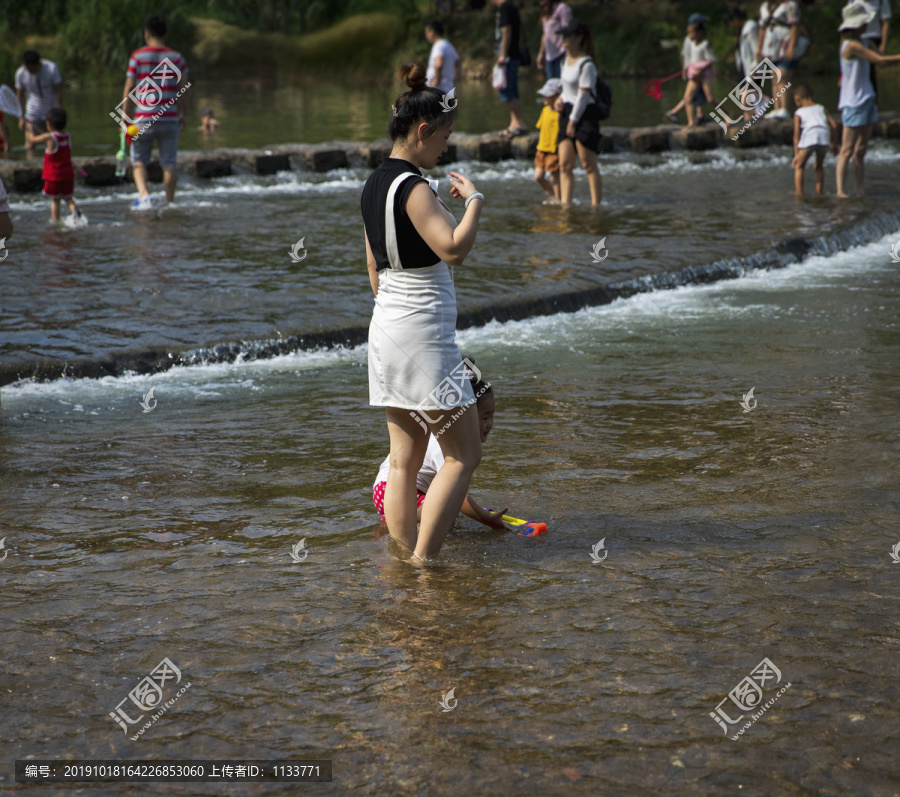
(211, 380)
(216, 194)
(758, 294)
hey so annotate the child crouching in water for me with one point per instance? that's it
(815, 132)
(58, 174)
(546, 160)
(434, 459)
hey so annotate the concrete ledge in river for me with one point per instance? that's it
(25, 176)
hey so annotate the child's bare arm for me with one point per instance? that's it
(40, 138)
(37, 138)
(796, 133)
(471, 508)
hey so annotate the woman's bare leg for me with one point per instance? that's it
(408, 445)
(781, 102)
(461, 445)
(588, 160)
(849, 137)
(566, 152)
(859, 158)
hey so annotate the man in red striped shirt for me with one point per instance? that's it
(156, 84)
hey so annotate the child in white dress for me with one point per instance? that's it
(813, 131)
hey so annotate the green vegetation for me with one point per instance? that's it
(353, 44)
(91, 39)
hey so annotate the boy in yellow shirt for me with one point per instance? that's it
(545, 159)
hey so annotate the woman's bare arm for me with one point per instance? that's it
(450, 244)
(372, 265)
(858, 50)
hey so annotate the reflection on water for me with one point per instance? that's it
(258, 115)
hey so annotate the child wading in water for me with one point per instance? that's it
(208, 121)
(546, 161)
(813, 131)
(434, 459)
(697, 62)
(58, 174)
(859, 113)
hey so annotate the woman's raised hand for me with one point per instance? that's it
(461, 187)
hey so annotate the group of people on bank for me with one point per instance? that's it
(568, 125)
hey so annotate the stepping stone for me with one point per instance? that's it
(270, 164)
(213, 167)
(649, 139)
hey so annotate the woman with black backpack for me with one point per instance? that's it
(579, 124)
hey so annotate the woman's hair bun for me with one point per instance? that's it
(413, 75)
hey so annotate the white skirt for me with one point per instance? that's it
(414, 362)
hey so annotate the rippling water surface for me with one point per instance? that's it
(732, 536)
(217, 266)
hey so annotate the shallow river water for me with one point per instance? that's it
(730, 536)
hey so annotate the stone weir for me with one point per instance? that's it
(25, 176)
(153, 360)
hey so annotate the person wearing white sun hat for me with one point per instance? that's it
(859, 113)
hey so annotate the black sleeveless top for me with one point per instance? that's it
(414, 252)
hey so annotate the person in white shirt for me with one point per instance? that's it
(781, 42)
(748, 36)
(579, 125)
(815, 132)
(698, 69)
(443, 63)
(876, 33)
(39, 88)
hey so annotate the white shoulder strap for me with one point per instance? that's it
(390, 229)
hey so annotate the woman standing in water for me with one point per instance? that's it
(415, 369)
(579, 129)
(859, 113)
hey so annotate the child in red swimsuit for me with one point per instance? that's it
(434, 459)
(58, 175)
